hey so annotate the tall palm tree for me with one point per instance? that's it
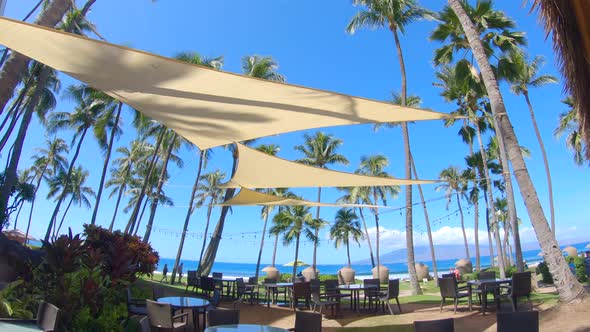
(570, 125)
(525, 74)
(270, 149)
(82, 119)
(253, 66)
(292, 221)
(280, 192)
(75, 188)
(320, 150)
(209, 189)
(122, 171)
(569, 288)
(396, 15)
(47, 162)
(346, 227)
(454, 184)
(375, 166)
(359, 195)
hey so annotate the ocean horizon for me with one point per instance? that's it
(397, 270)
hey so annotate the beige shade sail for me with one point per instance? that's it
(259, 170)
(205, 106)
(248, 197)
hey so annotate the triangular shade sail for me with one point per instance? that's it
(259, 170)
(247, 197)
(206, 106)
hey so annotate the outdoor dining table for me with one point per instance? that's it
(355, 290)
(274, 285)
(484, 284)
(18, 327)
(229, 283)
(192, 303)
(244, 328)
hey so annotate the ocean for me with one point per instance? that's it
(396, 270)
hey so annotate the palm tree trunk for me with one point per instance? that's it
(296, 258)
(427, 221)
(317, 230)
(13, 113)
(33, 203)
(17, 214)
(106, 163)
(145, 204)
(368, 237)
(414, 283)
(16, 64)
(64, 191)
(348, 253)
(491, 207)
(189, 212)
(119, 195)
(463, 226)
(274, 252)
(14, 119)
(10, 174)
(545, 161)
(56, 232)
(570, 290)
(377, 242)
(132, 220)
(154, 206)
(209, 209)
(476, 235)
(489, 229)
(261, 244)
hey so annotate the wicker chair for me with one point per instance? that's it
(207, 286)
(307, 322)
(392, 293)
(332, 292)
(243, 291)
(316, 301)
(440, 325)
(449, 289)
(274, 291)
(162, 319)
(525, 321)
(489, 289)
(135, 306)
(48, 318)
(223, 317)
(301, 290)
(521, 286)
(371, 294)
(192, 280)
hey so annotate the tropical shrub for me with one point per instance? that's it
(580, 269)
(86, 275)
(543, 269)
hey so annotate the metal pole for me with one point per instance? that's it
(2, 5)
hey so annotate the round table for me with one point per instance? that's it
(185, 302)
(355, 290)
(245, 328)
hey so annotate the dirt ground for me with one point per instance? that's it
(562, 318)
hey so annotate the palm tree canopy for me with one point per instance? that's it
(320, 150)
(208, 188)
(522, 73)
(196, 59)
(391, 14)
(569, 125)
(261, 67)
(294, 221)
(346, 227)
(454, 183)
(375, 165)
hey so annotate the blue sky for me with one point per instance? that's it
(308, 40)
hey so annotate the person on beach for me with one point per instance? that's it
(165, 273)
(180, 271)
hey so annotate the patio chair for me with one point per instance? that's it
(301, 290)
(489, 289)
(162, 319)
(48, 318)
(274, 291)
(316, 301)
(521, 286)
(371, 294)
(244, 291)
(449, 289)
(525, 321)
(135, 306)
(192, 280)
(452, 275)
(307, 322)
(332, 292)
(392, 293)
(223, 317)
(439, 325)
(207, 286)
(315, 285)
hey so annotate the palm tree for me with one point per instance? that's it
(396, 15)
(525, 74)
(375, 166)
(75, 188)
(347, 226)
(292, 221)
(122, 172)
(320, 150)
(46, 163)
(209, 189)
(455, 184)
(270, 149)
(280, 192)
(81, 120)
(103, 124)
(359, 195)
(569, 288)
(569, 124)
(253, 66)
